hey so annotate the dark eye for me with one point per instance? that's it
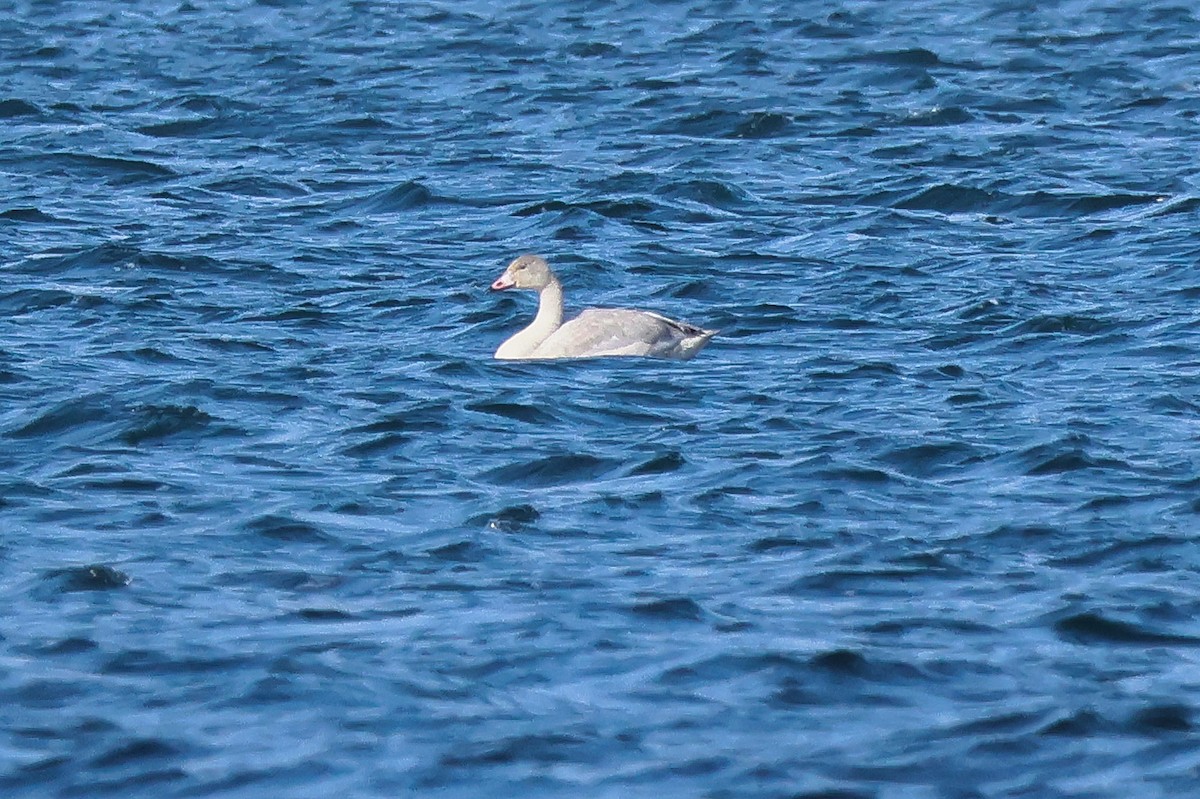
(521, 266)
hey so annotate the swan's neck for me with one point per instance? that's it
(548, 319)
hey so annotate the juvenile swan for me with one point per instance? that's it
(595, 332)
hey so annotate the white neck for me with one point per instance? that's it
(548, 319)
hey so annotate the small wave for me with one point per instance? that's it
(87, 261)
(713, 193)
(669, 609)
(460, 552)
(592, 49)
(23, 301)
(512, 519)
(1171, 717)
(722, 124)
(1075, 324)
(1068, 455)
(1093, 627)
(930, 459)
(98, 577)
(11, 108)
(518, 412)
(661, 464)
(156, 422)
(286, 528)
(30, 216)
(937, 117)
(259, 186)
(407, 196)
(118, 170)
(950, 198)
(911, 57)
(69, 414)
(552, 470)
(637, 209)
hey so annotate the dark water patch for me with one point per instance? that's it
(1095, 628)
(530, 414)
(111, 256)
(543, 749)
(723, 124)
(322, 615)
(144, 661)
(136, 751)
(726, 667)
(66, 647)
(119, 171)
(878, 369)
(259, 186)
(855, 474)
(280, 580)
(207, 118)
(592, 49)
(625, 209)
(552, 470)
(751, 59)
(1174, 404)
(841, 661)
(1084, 723)
(363, 123)
(635, 501)
(1068, 454)
(306, 315)
(881, 578)
(1143, 546)
(968, 398)
(1075, 324)
(424, 417)
(841, 676)
(669, 609)
(237, 345)
(949, 199)
(937, 117)
(407, 196)
(149, 355)
(121, 485)
(776, 543)
(379, 445)
(286, 528)
(97, 577)
(944, 624)
(460, 552)
(73, 414)
(927, 460)
(156, 422)
(23, 301)
(833, 793)
(29, 215)
(511, 519)
(1164, 719)
(47, 694)
(713, 193)
(660, 464)
(13, 108)
(911, 57)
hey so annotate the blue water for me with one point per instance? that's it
(920, 523)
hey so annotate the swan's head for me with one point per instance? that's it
(526, 272)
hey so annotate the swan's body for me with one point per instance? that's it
(594, 333)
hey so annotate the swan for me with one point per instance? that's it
(596, 332)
